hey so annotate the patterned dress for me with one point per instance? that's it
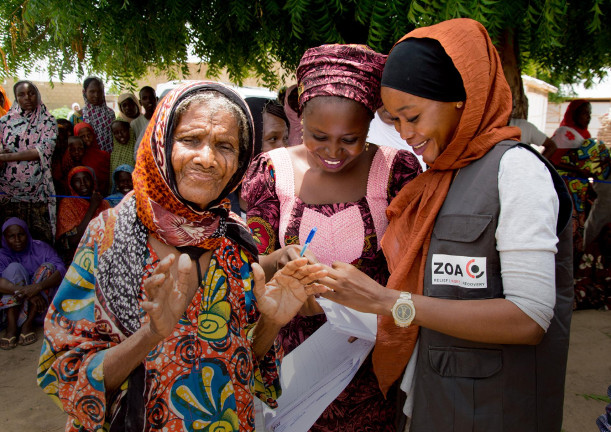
(202, 377)
(348, 232)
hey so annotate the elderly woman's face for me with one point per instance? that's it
(16, 238)
(27, 97)
(426, 125)
(205, 152)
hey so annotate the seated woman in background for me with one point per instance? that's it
(121, 184)
(275, 126)
(31, 271)
(123, 147)
(339, 183)
(75, 213)
(94, 157)
(27, 141)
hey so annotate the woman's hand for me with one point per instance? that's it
(96, 199)
(38, 304)
(167, 299)
(30, 291)
(281, 298)
(281, 257)
(353, 288)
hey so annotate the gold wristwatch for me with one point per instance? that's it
(404, 311)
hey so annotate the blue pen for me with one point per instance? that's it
(308, 241)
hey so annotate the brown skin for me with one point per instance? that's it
(148, 101)
(95, 93)
(82, 183)
(275, 132)
(129, 108)
(488, 321)
(124, 182)
(204, 158)
(120, 130)
(334, 130)
(76, 149)
(27, 98)
(17, 241)
(88, 136)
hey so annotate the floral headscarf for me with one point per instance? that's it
(98, 116)
(161, 209)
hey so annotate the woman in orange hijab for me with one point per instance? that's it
(477, 248)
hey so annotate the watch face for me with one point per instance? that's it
(404, 312)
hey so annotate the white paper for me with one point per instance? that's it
(349, 321)
(312, 376)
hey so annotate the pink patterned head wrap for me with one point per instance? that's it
(350, 71)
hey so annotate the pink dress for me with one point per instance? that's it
(348, 232)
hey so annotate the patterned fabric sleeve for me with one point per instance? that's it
(263, 215)
(70, 366)
(404, 169)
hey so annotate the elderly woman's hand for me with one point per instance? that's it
(167, 298)
(281, 298)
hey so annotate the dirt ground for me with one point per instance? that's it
(25, 408)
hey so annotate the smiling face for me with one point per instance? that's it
(129, 108)
(205, 151)
(95, 93)
(16, 238)
(82, 183)
(120, 130)
(426, 125)
(335, 131)
(275, 132)
(124, 182)
(27, 97)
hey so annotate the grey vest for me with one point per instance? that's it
(469, 386)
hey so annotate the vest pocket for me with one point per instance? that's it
(472, 384)
(461, 227)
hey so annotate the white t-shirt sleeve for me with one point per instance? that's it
(530, 133)
(526, 234)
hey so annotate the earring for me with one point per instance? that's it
(366, 146)
(459, 105)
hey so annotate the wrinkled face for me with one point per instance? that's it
(335, 131)
(76, 149)
(129, 108)
(82, 183)
(426, 125)
(583, 115)
(148, 100)
(87, 136)
(95, 93)
(275, 132)
(16, 238)
(27, 97)
(120, 130)
(124, 182)
(205, 152)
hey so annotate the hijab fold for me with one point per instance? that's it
(413, 211)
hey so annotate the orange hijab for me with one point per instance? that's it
(413, 211)
(6, 105)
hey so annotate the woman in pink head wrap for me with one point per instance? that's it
(340, 184)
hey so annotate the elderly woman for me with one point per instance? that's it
(97, 113)
(134, 339)
(27, 141)
(339, 183)
(477, 246)
(31, 271)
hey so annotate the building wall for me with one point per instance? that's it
(556, 112)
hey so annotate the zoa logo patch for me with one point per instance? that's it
(461, 271)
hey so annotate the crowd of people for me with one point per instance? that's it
(163, 246)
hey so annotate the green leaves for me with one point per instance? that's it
(124, 39)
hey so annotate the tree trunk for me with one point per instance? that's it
(509, 53)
